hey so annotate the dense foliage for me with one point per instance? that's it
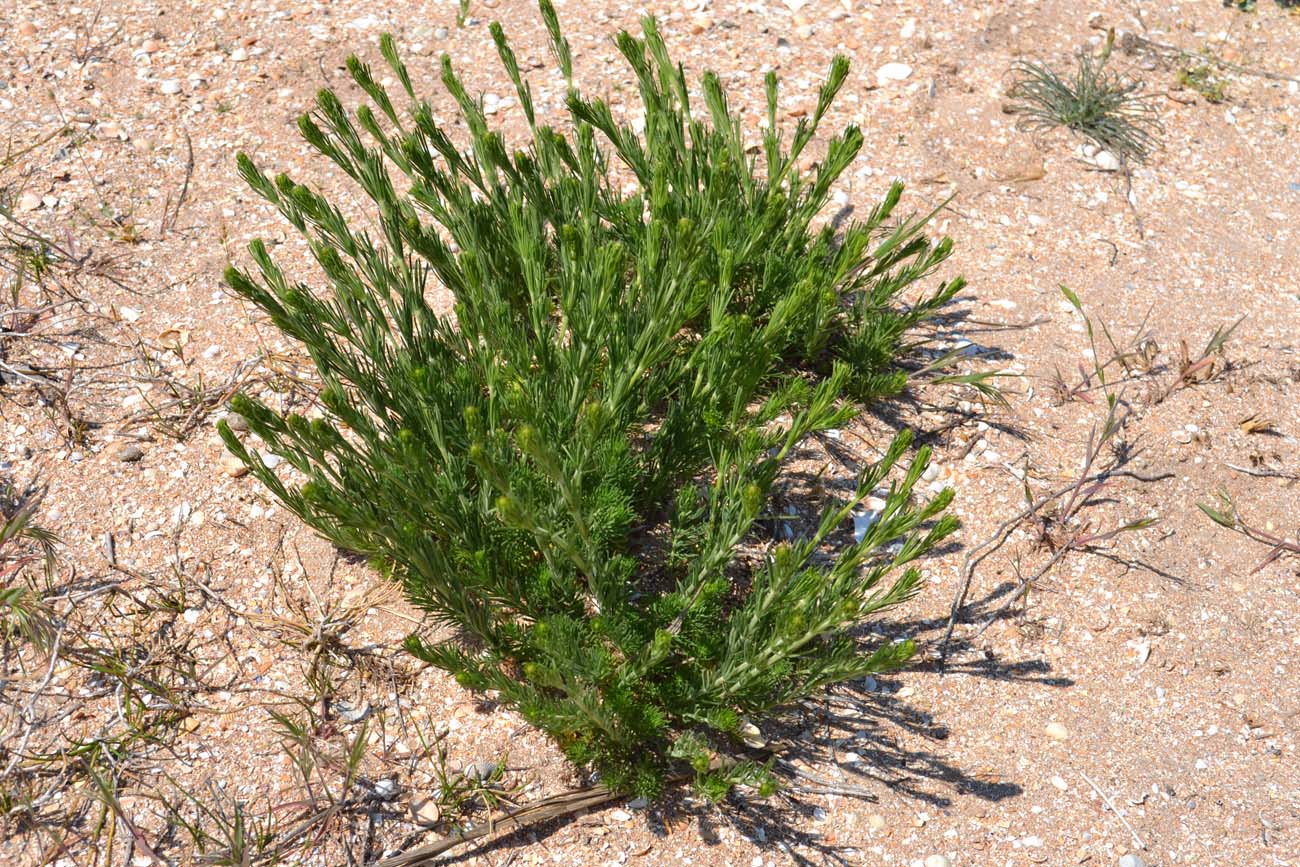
(572, 471)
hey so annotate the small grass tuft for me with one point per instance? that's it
(1202, 76)
(1097, 103)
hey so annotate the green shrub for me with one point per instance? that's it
(570, 472)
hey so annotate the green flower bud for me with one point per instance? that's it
(333, 398)
(322, 431)
(663, 640)
(314, 493)
(592, 417)
(527, 438)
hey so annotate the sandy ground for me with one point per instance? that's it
(1143, 700)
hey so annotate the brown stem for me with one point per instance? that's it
(555, 807)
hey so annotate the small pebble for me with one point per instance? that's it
(893, 72)
(876, 822)
(480, 770)
(937, 861)
(29, 201)
(151, 46)
(1131, 860)
(1107, 161)
(872, 509)
(1056, 731)
(239, 55)
(171, 87)
(233, 466)
(386, 789)
(350, 714)
(750, 735)
(26, 28)
(128, 453)
(427, 812)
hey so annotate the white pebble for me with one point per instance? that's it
(863, 521)
(893, 72)
(170, 87)
(1107, 161)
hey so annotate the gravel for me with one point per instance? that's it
(128, 453)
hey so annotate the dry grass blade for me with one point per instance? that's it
(1255, 423)
(1225, 515)
(555, 807)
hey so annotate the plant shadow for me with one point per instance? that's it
(862, 740)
